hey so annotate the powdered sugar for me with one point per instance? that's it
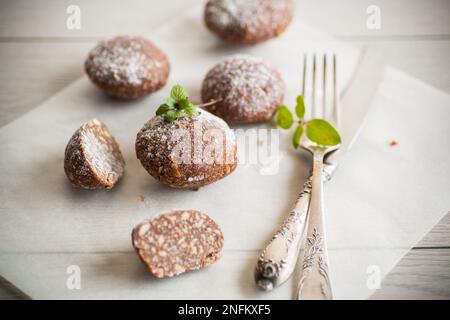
(247, 87)
(93, 158)
(185, 140)
(251, 16)
(121, 59)
(196, 178)
(190, 152)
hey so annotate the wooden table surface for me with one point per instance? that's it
(40, 56)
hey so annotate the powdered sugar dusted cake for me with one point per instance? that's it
(92, 158)
(248, 22)
(127, 67)
(189, 152)
(247, 89)
(177, 242)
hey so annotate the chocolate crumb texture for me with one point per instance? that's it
(247, 89)
(178, 242)
(248, 22)
(127, 67)
(188, 153)
(92, 158)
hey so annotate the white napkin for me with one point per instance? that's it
(47, 225)
(386, 198)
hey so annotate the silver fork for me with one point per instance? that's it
(314, 280)
(277, 261)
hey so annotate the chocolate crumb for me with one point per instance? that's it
(177, 242)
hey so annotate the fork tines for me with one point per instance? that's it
(316, 92)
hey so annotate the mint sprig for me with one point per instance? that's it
(297, 136)
(300, 108)
(285, 119)
(177, 105)
(178, 93)
(322, 132)
(318, 131)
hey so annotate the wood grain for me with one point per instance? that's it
(9, 292)
(36, 71)
(439, 237)
(422, 274)
(41, 56)
(44, 68)
(399, 18)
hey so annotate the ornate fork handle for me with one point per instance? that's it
(277, 261)
(314, 279)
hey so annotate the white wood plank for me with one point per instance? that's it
(426, 60)
(421, 274)
(32, 72)
(24, 18)
(47, 19)
(438, 237)
(9, 292)
(35, 71)
(399, 18)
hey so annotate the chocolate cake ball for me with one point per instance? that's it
(246, 89)
(127, 67)
(92, 158)
(188, 153)
(178, 241)
(248, 22)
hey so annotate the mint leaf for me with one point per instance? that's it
(284, 119)
(322, 133)
(163, 109)
(297, 136)
(191, 110)
(172, 115)
(300, 107)
(183, 104)
(177, 105)
(178, 93)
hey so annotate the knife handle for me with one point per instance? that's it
(277, 261)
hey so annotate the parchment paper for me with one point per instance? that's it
(381, 202)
